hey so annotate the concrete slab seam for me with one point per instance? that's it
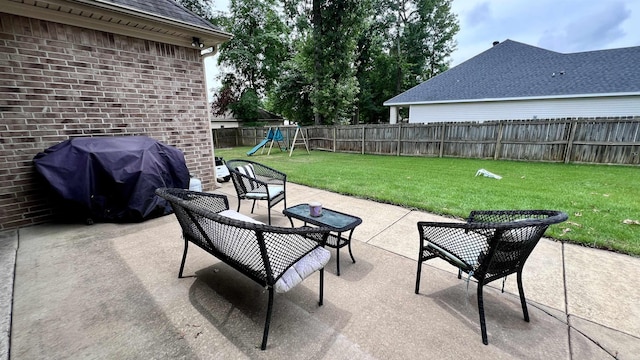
(566, 311)
(390, 225)
(595, 342)
(566, 298)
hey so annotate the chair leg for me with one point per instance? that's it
(253, 206)
(265, 335)
(239, 201)
(418, 275)
(321, 286)
(269, 213)
(483, 325)
(184, 257)
(523, 301)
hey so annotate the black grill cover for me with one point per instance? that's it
(112, 179)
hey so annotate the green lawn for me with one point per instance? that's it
(598, 198)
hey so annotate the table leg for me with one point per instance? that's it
(338, 253)
(349, 242)
(338, 250)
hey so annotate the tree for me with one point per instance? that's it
(374, 66)
(332, 61)
(291, 96)
(254, 55)
(203, 8)
(326, 38)
(423, 33)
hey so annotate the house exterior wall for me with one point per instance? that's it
(59, 81)
(526, 109)
(224, 121)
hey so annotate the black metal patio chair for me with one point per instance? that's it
(255, 181)
(490, 245)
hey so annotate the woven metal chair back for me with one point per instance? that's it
(491, 244)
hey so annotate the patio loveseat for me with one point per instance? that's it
(276, 258)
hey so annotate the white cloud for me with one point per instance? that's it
(560, 25)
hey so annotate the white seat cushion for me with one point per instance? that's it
(310, 263)
(274, 190)
(237, 216)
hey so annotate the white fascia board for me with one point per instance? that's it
(549, 97)
(149, 16)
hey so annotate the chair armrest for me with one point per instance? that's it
(212, 202)
(252, 177)
(517, 218)
(262, 172)
(269, 175)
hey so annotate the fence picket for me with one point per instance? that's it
(581, 140)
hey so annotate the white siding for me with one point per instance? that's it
(526, 109)
(224, 121)
(219, 124)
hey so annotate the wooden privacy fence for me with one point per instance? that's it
(580, 140)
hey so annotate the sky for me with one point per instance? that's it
(564, 26)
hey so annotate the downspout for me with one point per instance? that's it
(214, 51)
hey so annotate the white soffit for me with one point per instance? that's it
(118, 20)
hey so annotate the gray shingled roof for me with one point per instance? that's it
(516, 70)
(164, 8)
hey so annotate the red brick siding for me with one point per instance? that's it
(59, 81)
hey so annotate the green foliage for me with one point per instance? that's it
(203, 8)
(596, 197)
(259, 46)
(335, 61)
(422, 34)
(327, 32)
(291, 97)
(247, 106)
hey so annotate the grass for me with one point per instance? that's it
(598, 198)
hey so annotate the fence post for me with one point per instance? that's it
(363, 130)
(444, 130)
(572, 133)
(496, 154)
(215, 138)
(335, 132)
(399, 139)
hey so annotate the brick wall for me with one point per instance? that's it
(59, 81)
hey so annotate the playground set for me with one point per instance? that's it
(275, 135)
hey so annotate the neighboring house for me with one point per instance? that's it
(228, 121)
(71, 68)
(513, 81)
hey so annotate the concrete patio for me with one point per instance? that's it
(111, 291)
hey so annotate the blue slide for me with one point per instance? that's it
(262, 143)
(271, 135)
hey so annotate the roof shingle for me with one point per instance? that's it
(164, 8)
(516, 70)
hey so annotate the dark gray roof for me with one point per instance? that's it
(516, 70)
(164, 8)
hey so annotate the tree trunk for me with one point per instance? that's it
(317, 28)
